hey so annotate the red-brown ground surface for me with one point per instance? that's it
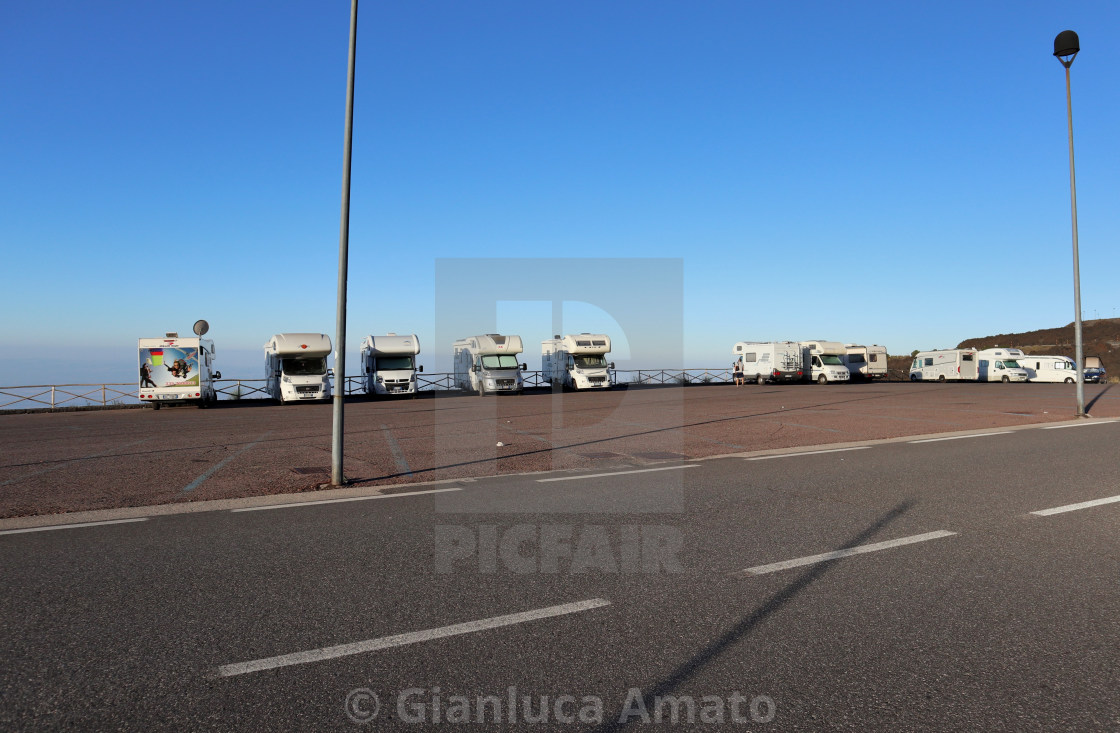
(58, 462)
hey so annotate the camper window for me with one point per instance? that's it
(968, 357)
(499, 361)
(305, 366)
(873, 357)
(831, 359)
(750, 356)
(590, 362)
(856, 359)
(929, 361)
(394, 362)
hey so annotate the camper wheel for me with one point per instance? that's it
(822, 379)
(1006, 379)
(1069, 380)
(156, 405)
(941, 378)
(760, 379)
(914, 378)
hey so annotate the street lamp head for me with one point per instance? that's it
(1066, 47)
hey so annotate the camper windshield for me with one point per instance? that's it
(590, 362)
(307, 366)
(499, 361)
(394, 362)
(831, 359)
(1011, 364)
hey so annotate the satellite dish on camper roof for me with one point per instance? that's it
(201, 327)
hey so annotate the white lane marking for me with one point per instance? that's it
(615, 473)
(217, 466)
(1075, 507)
(847, 552)
(72, 526)
(1079, 424)
(340, 501)
(961, 437)
(808, 453)
(387, 642)
(395, 449)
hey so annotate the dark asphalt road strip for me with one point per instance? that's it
(66, 462)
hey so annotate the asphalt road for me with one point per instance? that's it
(619, 593)
(84, 461)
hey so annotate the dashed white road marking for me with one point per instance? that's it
(72, 526)
(1079, 424)
(846, 552)
(387, 642)
(808, 453)
(1075, 507)
(961, 437)
(614, 473)
(341, 501)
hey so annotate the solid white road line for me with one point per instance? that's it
(847, 552)
(1075, 507)
(808, 453)
(340, 501)
(1079, 424)
(961, 437)
(387, 642)
(615, 473)
(72, 526)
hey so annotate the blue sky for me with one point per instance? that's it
(882, 172)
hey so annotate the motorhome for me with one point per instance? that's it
(389, 364)
(577, 361)
(295, 367)
(1049, 368)
(177, 370)
(823, 361)
(488, 364)
(769, 361)
(866, 362)
(943, 365)
(1000, 365)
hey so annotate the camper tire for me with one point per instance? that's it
(941, 378)
(1006, 379)
(760, 380)
(914, 378)
(156, 405)
(822, 379)
(1069, 380)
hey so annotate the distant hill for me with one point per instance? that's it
(1100, 337)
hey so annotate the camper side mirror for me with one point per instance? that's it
(217, 375)
(612, 365)
(474, 368)
(420, 368)
(524, 367)
(330, 373)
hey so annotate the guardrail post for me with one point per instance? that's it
(103, 395)
(52, 396)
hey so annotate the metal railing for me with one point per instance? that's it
(53, 396)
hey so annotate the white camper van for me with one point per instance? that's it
(577, 361)
(769, 361)
(945, 364)
(1000, 365)
(1049, 368)
(389, 364)
(177, 370)
(488, 363)
(823, 361)
(295, 367)
(866, 362)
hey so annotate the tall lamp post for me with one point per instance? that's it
(337, 477)
(1066, 47)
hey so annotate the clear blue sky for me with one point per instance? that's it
(884, 172)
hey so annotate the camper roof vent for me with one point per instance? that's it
(172, 334)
